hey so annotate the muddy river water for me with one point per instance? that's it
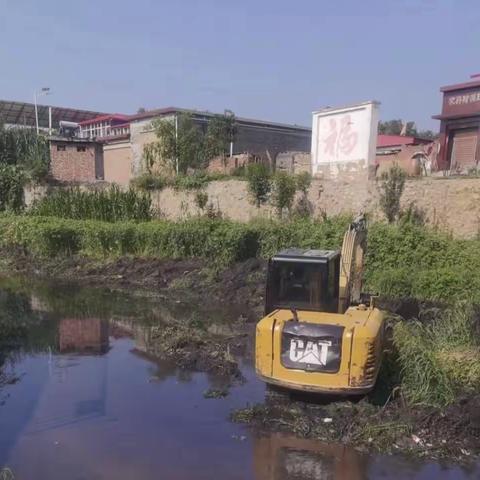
(81, 397)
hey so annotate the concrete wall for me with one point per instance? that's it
(141, 134)
(118, 163)
(451, 204)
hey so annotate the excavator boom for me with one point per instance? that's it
(351, 263)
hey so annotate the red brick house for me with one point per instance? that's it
(76, 160)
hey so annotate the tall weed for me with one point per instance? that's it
(110, 205)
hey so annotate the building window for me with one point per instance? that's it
(60, 148)
(81, 149)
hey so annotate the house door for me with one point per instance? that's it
(464, 149)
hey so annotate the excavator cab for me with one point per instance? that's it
(303, 280)
(317, 335)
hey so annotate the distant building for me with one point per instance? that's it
(76, 160)
(393, 142)
(124, 139)
(105, 126)
(460, 126)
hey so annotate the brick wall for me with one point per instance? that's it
(73, 161)
(229, 164)
(294, 162)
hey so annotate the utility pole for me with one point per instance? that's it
(176, 143)
(50, 121)
(43, 91)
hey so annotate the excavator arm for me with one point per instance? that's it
(351, 263)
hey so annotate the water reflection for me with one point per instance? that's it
(83, 335)
(282, 457)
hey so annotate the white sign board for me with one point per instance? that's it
(344, 138)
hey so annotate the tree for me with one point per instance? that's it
(26, 149)
(304, 180)
(396, 127)
(303, 207)
(178, 145)
(427, 134)
(259, 185)
(284, 188)
(391, 188)
(221, 132)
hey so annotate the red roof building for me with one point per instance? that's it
(105, 126)
(392, 141)
(460, 126)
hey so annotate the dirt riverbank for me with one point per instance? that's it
(452, 433)
(240, 287)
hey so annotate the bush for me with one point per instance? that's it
(110, 205)
(284, 187)
(195, 181)
(201, 199)
(410, 260)
(259, 185)
(149, 181)
(240, 172)
(413, 215)
(391, 188)
(304, 180)
(303, 208)
(12, 180)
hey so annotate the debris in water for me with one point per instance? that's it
(327, 420)
(417, 440)
(215, 393)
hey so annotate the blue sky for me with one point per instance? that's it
(270, 59)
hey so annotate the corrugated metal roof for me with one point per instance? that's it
(21, 113)
(199, 113)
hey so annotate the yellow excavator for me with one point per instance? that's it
(320, 334)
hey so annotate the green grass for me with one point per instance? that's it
(222, 241)
(198, 180)
(439, 358)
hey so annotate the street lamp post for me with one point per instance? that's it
(43, 91)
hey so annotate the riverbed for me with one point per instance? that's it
(83, 397)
